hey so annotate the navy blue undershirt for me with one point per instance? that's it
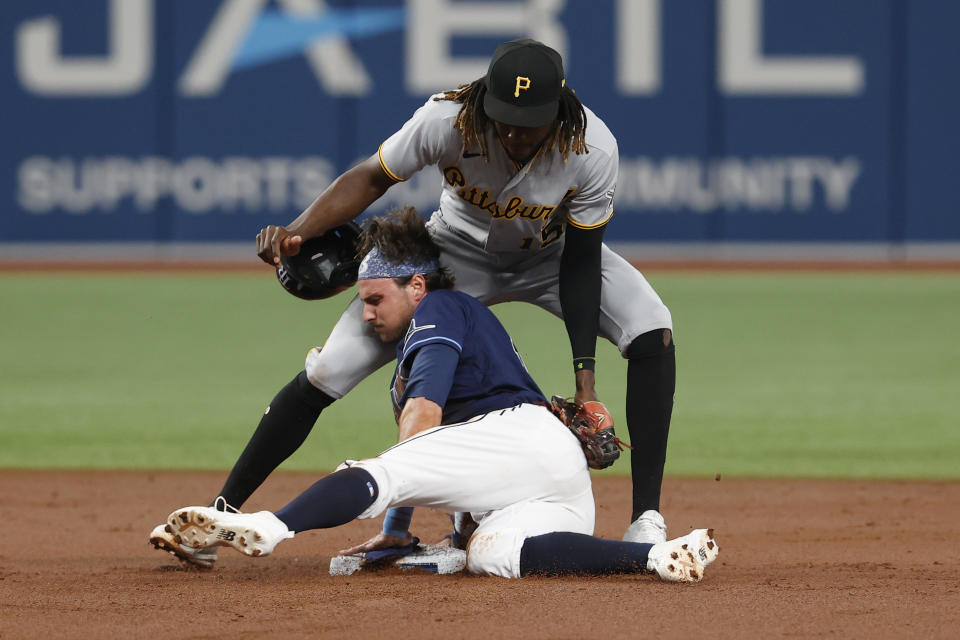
(431, 375)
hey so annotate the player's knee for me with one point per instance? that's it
(318, 374)
(649, 344)
(495, 553)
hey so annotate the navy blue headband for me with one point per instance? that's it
(375, 266)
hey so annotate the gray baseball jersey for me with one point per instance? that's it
(500, 229)
(496, 203)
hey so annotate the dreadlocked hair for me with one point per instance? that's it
(569, 130)
(402, 236)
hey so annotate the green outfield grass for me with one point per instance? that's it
(783, 374)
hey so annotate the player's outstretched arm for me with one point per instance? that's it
(419, 414)
(346, 198)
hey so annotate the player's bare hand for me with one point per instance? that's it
(274, 241)
(379, 541)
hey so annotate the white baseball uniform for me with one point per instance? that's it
(500, 454)
(519, 472)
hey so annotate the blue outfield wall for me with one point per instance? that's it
(738, 120)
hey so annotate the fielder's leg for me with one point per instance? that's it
(633, 317)
(351, 353)
(282, 429)
(284, 426)
(651, 382)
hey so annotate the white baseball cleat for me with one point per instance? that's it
(649, 528)
(162, 538)
(684, 559)
(253, 534)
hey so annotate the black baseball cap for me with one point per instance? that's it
(524, 82)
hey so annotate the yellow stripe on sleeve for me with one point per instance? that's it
(386, 169)
(591, 226)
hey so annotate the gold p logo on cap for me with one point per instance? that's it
(522, 85)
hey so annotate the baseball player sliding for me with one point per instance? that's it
(475, 435)
(529, 175)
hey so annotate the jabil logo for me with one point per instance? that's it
(247, 33)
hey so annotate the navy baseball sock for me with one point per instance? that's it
(651, 382)
(282, 429)
(333, 500)
(565, 553)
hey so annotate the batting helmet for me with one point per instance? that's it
(325, 266)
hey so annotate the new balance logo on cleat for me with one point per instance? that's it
(253, 534)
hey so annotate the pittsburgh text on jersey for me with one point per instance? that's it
(514, 208)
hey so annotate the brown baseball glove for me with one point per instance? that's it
(592, 425)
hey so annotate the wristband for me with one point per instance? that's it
(397, 521)
(584, 364)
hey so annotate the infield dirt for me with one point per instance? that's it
(807, 558)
